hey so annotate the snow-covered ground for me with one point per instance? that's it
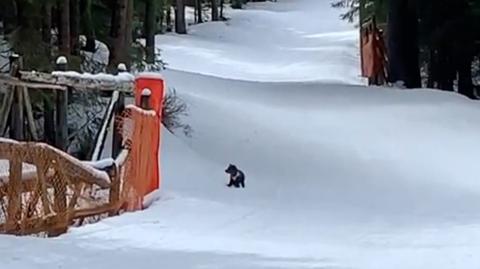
(293, 40)
(338, 175)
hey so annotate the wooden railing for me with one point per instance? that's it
(44, 190)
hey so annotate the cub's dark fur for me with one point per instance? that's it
(237, 177)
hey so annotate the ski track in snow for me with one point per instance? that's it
(338, 175)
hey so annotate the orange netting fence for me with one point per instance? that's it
(140, 129)
(373, 54)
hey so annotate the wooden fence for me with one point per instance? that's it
(43, 190)
(46, 190)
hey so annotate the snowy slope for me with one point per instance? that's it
(289, 41)
(338, 176)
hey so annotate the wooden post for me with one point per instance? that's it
(114, 196)
(61, 105)
(117, 111)
(14, 196)
(17, 120)
(5, 111)
(145, 99)
(16, 117)
(29, 112)
(48, 118)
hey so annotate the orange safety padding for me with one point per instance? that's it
(140, 168)
(373, 54)
(157, 88)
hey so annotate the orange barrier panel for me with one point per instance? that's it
(137, 125)
(156, 86)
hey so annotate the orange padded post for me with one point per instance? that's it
(156, 85)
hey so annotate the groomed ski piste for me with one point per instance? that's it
(339, 175)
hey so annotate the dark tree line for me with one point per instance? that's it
(431, 43)
(44, 29)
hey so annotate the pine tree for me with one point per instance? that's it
(150, 30)
(180, 25)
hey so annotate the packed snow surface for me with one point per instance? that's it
(338, 175)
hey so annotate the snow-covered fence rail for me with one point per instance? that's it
(16, 98)
(122, 82)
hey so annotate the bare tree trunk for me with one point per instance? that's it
(129, 30)
(198, 9)
(180, 25)
(169, 18)
(119, 23)
(114, 20)
(403, 43)
(74, 26)
(214, 10)
(47, 22)
(222, 3)
(431, 69)
(445, 67)
(87, 24)
(49, 116)
(150, 30)
(464, 58)
(9, 16)
(64, 8)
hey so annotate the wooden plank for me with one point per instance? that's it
(117, 134)
(114, 195)
(12, 81)
(14, 195)
(29, 112)
(49, 118)
(17, 119)
(90, 212)
(61, 120)
(37, 225)
(5, 111)
(16, 115)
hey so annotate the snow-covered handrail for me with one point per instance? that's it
(123, 82)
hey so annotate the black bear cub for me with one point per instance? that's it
(237, 177)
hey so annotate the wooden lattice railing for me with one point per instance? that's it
(44, 190)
